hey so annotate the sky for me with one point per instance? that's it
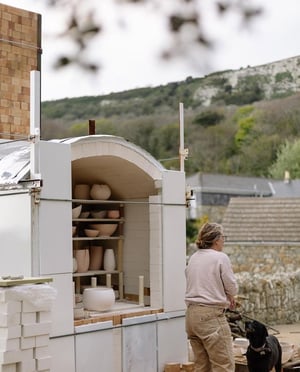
(129, 55)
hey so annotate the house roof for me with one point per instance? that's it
(262, 220)
(232, 185)
(283, 189)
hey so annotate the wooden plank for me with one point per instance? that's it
(31, 280)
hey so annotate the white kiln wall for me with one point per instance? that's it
(136, 246)
(15, 232)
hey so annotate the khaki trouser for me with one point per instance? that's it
(210, 337)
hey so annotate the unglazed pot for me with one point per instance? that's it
(82, 191)
(83, 260)
(105, 229)
(109, 260)
(114, 213)
(74, 265)
(100, 192)
(98, 299)
(96, 257)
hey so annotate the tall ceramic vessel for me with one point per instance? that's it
(109, 261)
(83, 260)
(82, 191)
(96, 257)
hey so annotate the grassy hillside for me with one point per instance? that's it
(234, 120)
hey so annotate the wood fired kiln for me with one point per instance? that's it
(153, 248)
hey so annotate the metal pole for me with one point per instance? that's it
(35, 121)
(182, 151)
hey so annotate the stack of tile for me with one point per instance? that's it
(24, 334)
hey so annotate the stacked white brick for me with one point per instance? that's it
(25, 325)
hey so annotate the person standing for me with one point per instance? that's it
(210, 289)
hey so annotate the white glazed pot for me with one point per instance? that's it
(98, 299)
(109, 260)
(74, 265)
(82, 191)
(100, 192)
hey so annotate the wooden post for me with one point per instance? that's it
(92, 127)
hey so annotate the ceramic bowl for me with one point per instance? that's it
(82, 191)
(98, 214)
(84, 214)
(98, 299)
(113, 213)
(105, 229)
(76, 211)
(91, 233)
(100, 192)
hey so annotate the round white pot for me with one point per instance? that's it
(98, 299)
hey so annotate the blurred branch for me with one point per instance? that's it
(184, 18)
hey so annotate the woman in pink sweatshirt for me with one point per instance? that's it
(210, 290)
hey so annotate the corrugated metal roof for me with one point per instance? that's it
(226, 184)
(262, 220)
(14, 161)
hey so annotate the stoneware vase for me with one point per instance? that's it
(98, 299)
(109, 260)
(100, 192)
(96, 257)
(74, 265)
(83, 260)
(82, 191)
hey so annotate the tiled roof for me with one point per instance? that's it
(262, 220)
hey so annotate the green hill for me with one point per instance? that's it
(234, 120)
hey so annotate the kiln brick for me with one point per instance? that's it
(8, 357)
(9, 344)
(27, 343)
(42, 340)
(36, 329)
(7, 320)
(8, 367)
(10, 332)
(10, 307)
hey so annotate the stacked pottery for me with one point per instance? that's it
(96, 257)
(83, 260)
(100, 192)
(109, 261)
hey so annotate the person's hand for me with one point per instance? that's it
(232, 303)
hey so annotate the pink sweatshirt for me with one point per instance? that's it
(209, 277)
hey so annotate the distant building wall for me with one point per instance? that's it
(20, 51)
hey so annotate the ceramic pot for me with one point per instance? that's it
(76, 211)
(96, 257)
(82, 191)
(98, 299)
(83, 260)
(109, 260)
(100, 192)
(114, 213)
(105, 229)
(74, 265)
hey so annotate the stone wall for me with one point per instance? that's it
(20, 51)
(269, 281)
